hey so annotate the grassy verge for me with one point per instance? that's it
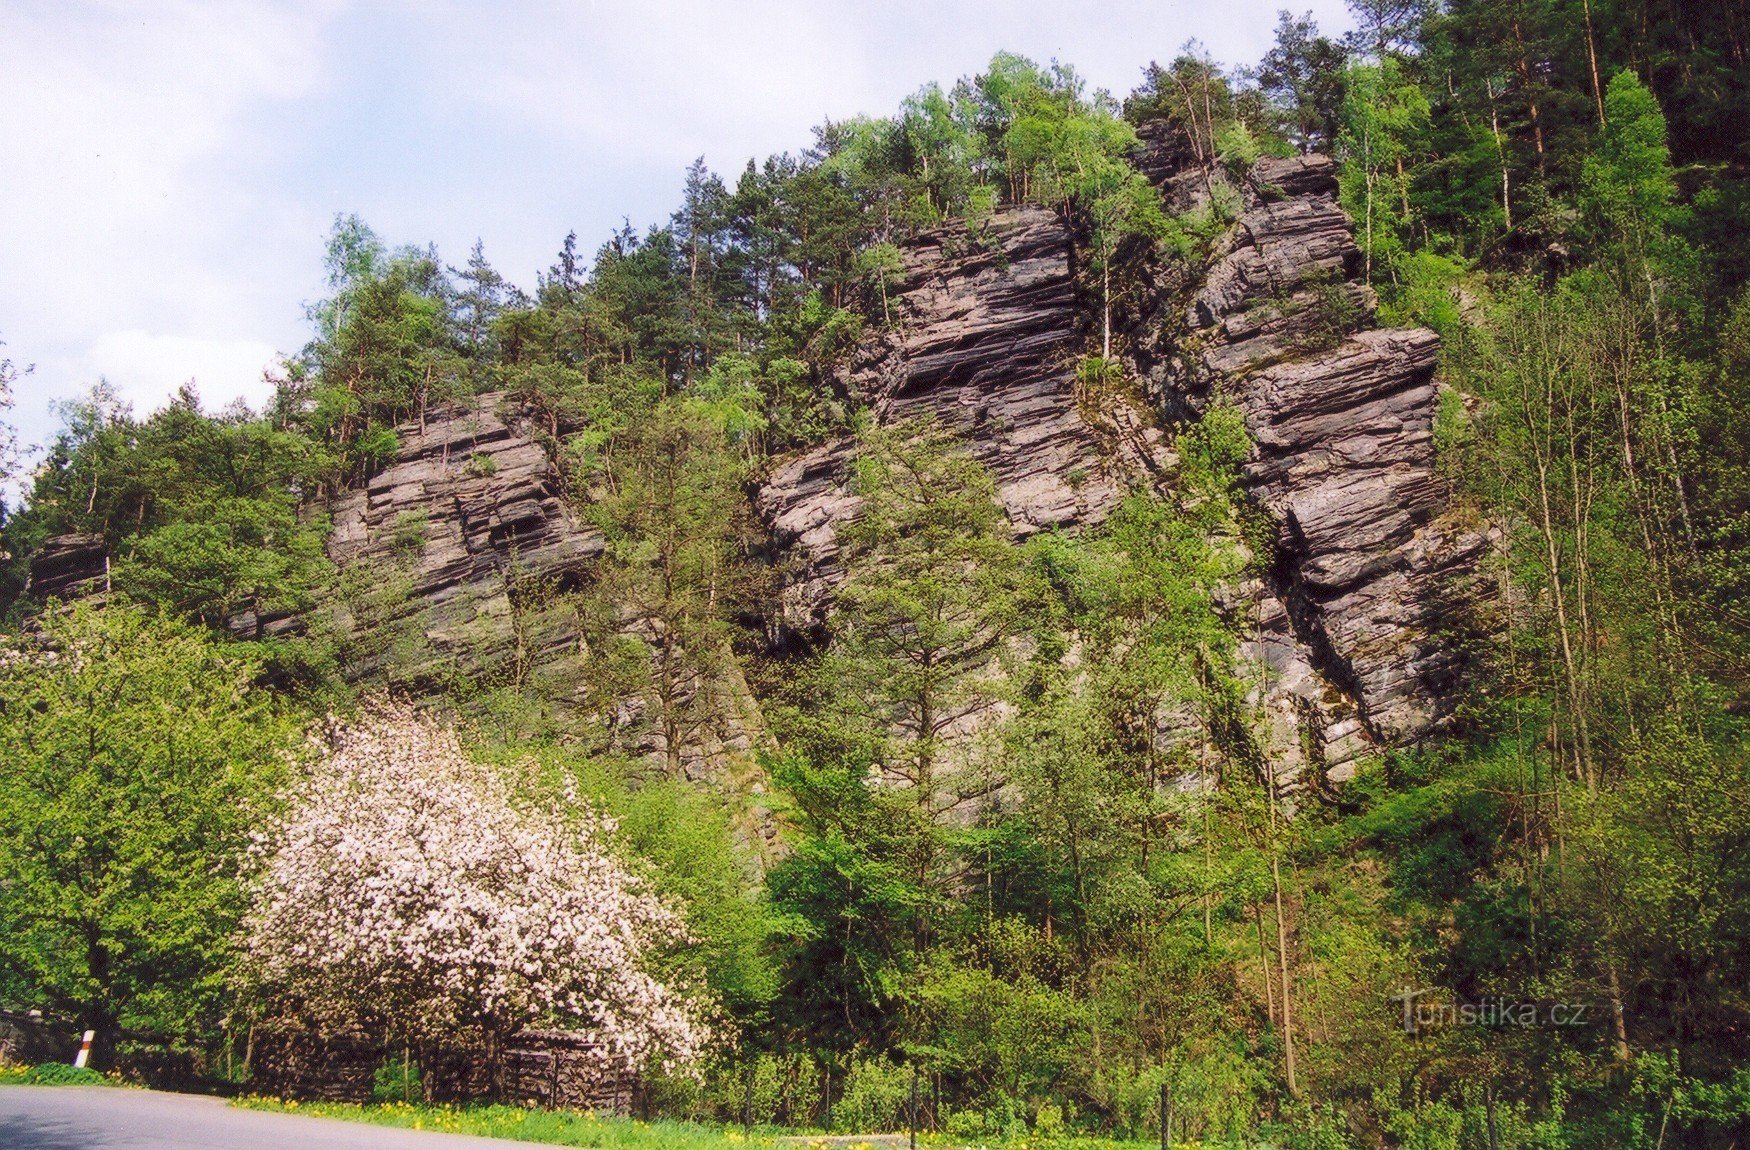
(576, 1128)
(555, 1127)
(50, 1074)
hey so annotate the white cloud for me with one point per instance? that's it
(172, 166)
(145, 368)
(129, 202)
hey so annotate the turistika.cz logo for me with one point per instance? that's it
(1431, 1009)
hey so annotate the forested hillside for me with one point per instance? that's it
(1033, 604)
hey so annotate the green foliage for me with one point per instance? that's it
(397, 1080)
(1013, 1038)
(930, 598)
(1023, 833)
(1626, 178)
(1303, 73)
(386, 349)
(696, 845)
(672, 508)
(1384, 113)
(1424, 291)
(203, 513)
(1237, 147)
(52, 1074)
(141, 751)
(1211, 452)
(852, 897)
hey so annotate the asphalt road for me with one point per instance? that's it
(113, 1118)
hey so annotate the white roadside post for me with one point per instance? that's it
(84, 1054)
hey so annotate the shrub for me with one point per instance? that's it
(397, 1080)
(875, 1098)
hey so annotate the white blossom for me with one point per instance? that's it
(406, 892)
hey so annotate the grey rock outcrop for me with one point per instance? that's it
(455, 558)
(1371, 571)
(68, 567)
(1349, 627)
(984, 336)
(460, 562)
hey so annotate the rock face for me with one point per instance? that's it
(457, 556)
(459, 562)
(68, 567)
(984, 334)
(1342, 415)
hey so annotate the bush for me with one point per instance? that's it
(397, 1080)
(1217, 1094)
(1424, 292)
(876, 1097)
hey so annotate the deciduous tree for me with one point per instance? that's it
(407, 893)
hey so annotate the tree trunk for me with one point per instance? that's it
(1501, 153)
(1592, 59)
(1524, 63)
(1287, 998)
(1282, 946)
(1264, 965)
(1618, 1021)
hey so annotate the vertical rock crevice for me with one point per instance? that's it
(1372, 569)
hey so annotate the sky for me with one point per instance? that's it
(172, 169)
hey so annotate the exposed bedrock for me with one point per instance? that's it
(1375, 577)
(457, 549)
(68, 567)
(984, 335)
(459, 561)
(1351, 625)
(456, 558)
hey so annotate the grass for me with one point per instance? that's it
(580, 1128)
(554, 1127)
(50, 1074)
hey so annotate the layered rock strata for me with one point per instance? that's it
(983, 337)
(985, 331)
(456, 556)
(68, 567)
(459, 561)
(1370, 574)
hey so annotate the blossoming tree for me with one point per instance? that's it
(405, 893)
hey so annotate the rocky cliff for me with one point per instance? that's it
(1374, 577)
(463, 564)
(985, 334)
(458, 558)
(68, 567)
(458, 554)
